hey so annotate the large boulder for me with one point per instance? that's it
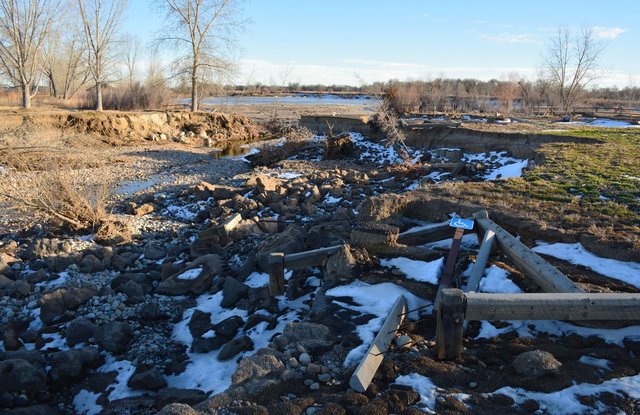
(288, 242)
(255, 367)
(233, 291)
(114, 336)
(195, 278)
(54, 304)
(17, 375)
(535, 364)
(311, 336)
(69, 364)
(80, 330)
(234, 347)
(339, 266)
(150, 379)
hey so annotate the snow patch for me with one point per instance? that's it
(425, 388)
(86, 403)
(417, 270)
(495, 281)
(257, 279)
(191, 274)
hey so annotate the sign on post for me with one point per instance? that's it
(461, 223)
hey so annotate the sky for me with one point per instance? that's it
(348, 42)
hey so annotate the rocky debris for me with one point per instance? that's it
(233, 292)
(288, 242)
(90, 264)
(150, 379)
(70, 363)
(535, 364)
(340, 147)
(310, 336)
(191, 397)
(375, 236)
(133, 208)
(153, 251)
(19, 375)
(339, 266)
(234, 347)
(79, 331)
(195, 278)
(55, 304)
(256, 366)
(114, 336)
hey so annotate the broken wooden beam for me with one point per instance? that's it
(450, 324)
(276, 273)
(544, 274)
(477, 272)
(426, 234)
(361, 378)
(230, 224)
(557, 306)
(310, 258)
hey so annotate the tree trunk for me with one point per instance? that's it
(194, 93)
(98, 96)
(53, 90)
(26, 96)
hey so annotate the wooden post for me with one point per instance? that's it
(426, 234)
(481, 261)
(367, 368)
(557, 306)
(544, 274)
(446, 280)
(310, 258)
(276, 273)
(450, 324)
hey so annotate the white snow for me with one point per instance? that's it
(508, 171)
(85, 403)
(330, 200)
(191, 274)
(125, 369)
(469, 241)
(289, 175)
(566, 401)
(417, 270)
(54, 341)
(604, 122)
(509, 166)
(181, 212)
(425, 388)
(376, 300)
(495, 281)
(628, 272)
(62, 278)
(378, 153)
(532, 328)
(257, 279)
(594, 361)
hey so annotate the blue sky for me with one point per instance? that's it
(342, 41)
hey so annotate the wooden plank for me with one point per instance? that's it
(543, 273)
(450, 324)
(426, 234)
(276, 273)
(557, 306)
(481, 261)
(310, 258)
(230, 223)
(446, 280)
(367, 368)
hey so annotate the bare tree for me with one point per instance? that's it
(572, 63)
(204, 30)
(24, 25)
(64, 60)
(100, 20)
(130, 51)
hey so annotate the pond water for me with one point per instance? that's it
(233, 149)
(296, 99)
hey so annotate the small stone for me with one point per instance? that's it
(324, 377)
(308, 382)
(305, 359)
(313, 369)
(473, 385)
(314, 386)
(293, 362)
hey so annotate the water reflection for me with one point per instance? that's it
(232, 149)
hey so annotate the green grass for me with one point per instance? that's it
(601, 178)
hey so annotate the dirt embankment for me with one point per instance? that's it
(118, 126)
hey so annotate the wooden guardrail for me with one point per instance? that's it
(279, 261)
(456, 306)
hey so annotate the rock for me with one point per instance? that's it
(536, 363)
(54, 304)
(403, 342)
(256, 366)
(314, 195)
(22, 288)
(114, 336)
(45, 248)
(61, 262)
(228, 328)
(356, 177)
(32, 356)
(186, 396)
(5, 269)
(150, 379)
(90, 263)
(208, 344)
(200, 323)
(234, 347)
(339, 266)
(304, 359)
(69, 364)
(133, 291)
(288, 242)
(374, 236)
(189, 280)
(144, 209)
(233, 291)
(80, 330)
(150, 312)
(314, 386)
(311, 336)
(324, 377)
(153, 252)
(265, 183)
(340, 147)
(178, 409)
(17, 375)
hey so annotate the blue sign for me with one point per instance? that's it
(461, 223)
